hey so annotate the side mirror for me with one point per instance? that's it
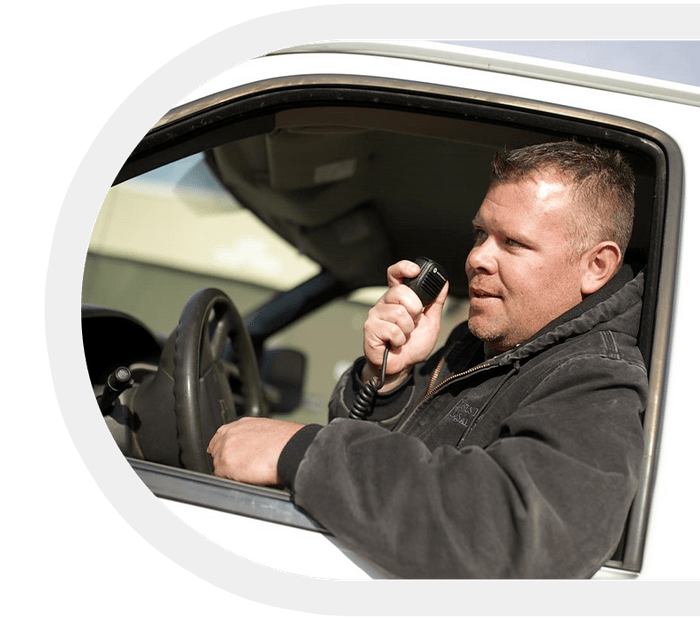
(282, 372)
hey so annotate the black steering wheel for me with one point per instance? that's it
(205, 370)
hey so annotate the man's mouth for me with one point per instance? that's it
(476, 293)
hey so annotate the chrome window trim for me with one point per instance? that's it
(215, 493)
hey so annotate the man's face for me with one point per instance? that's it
(521, 271)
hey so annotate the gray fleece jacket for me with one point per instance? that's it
(523, 465)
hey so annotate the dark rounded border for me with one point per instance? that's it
(121, 487)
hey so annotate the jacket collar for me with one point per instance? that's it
(617, 304)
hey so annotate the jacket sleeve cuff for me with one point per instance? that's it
(294, 452)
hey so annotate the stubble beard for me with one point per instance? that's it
(488, 332)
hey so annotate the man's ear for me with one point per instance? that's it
(599, 264)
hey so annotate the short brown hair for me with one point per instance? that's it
(603, 186)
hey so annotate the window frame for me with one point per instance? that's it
(240, 112)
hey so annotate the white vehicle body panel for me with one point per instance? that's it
(671, 108)
(288, 549)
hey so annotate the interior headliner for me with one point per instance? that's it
(379, 185)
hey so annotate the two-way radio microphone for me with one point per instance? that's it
(427, 285)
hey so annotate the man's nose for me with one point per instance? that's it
(482, 257)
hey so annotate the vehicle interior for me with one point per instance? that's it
(353, 179)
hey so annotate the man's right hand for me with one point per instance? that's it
(399, 317)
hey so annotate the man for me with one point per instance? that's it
(514, 450)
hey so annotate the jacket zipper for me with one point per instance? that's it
(459, 375)
(439, 386)
(438, 368)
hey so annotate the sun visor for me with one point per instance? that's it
(316, 192)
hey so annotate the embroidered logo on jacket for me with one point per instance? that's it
(464, 413)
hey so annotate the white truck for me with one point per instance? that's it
(291, 190)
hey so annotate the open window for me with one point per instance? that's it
(354, 175)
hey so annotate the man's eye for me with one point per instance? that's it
(479, 235)
(514, 244)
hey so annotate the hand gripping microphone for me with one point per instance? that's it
(427, 285)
